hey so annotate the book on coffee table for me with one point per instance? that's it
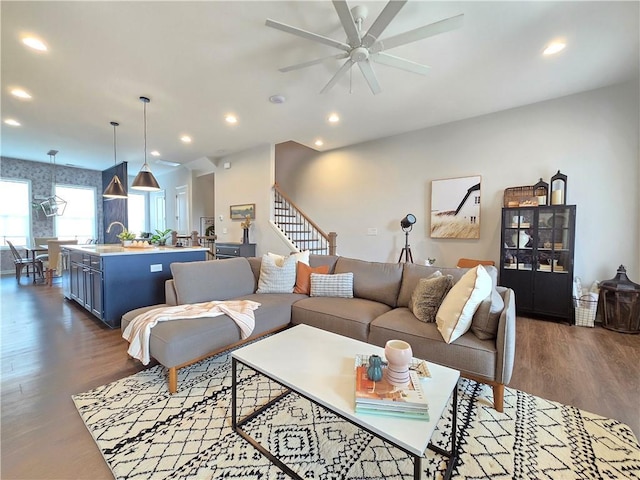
(382, 398)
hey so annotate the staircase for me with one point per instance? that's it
(299, 229)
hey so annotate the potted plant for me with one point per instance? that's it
(126, 237)
(161, 236)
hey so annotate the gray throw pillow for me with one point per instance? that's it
(428, 295)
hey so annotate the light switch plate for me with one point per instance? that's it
(156, 267)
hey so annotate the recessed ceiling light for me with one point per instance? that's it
(553, 48)
(36, 44)
(185, 138)
(18, 92)
(318, 143)
(12, 122)
(277, 99)
(333, 118)
(155, 153)
(231, 119)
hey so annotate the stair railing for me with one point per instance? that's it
(303, 232)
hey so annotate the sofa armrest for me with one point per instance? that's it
(506, 338)
(170, 296)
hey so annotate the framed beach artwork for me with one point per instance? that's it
(240, 212)
(455, 208)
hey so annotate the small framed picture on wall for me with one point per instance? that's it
(240, 212)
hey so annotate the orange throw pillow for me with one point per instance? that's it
(303, 276)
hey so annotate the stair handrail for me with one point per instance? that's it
(330, 238)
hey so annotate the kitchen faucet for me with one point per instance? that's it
(116, 223)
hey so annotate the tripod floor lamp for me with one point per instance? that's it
(407, 225)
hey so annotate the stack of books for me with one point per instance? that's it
(382, 398)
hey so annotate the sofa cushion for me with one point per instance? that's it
(336, 285)
(299, 257)
(456, 312)
(468, 353)
(275, 278)
(204, 281)
(329, 260)
(345, 316)
(303, 276)
(375, 281)
(413, 272)
(177, 342)
(485, 321)
(428, 295)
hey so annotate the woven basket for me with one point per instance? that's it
(585, 309)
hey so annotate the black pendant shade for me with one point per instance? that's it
(145, 179)
(115, 188)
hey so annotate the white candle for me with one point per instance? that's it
(557, 197)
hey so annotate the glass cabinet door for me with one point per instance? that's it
(554, 240)
(518, 239)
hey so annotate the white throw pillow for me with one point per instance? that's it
(299, 257)
(274, 278)
(456, 312)
(336, 285)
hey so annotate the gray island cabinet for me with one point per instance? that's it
(110, 280)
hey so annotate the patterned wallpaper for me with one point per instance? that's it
(40, 175)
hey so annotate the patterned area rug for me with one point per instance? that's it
(144, 432)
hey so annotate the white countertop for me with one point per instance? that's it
(114, 249)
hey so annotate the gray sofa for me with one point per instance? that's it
(378, 312)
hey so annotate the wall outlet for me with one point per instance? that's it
(372, 231)
(224, 231)
(156, 267)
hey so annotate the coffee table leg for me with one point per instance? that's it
(234, 387)
(417, 467)
(452, 455)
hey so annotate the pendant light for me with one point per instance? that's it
(145, 179)
(54, 205)
(115, 188)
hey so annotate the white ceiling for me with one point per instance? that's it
(198, 61)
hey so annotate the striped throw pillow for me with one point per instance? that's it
(336, 285)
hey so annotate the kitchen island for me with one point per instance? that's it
(110, 280)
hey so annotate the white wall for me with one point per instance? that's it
(249, 180)
(590, 137)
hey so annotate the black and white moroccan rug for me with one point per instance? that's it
(144, 432)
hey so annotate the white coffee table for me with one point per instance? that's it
(319, 366)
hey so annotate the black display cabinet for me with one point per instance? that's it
(537, 259)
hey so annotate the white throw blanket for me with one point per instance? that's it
(138, 331)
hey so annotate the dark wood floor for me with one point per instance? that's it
(52, 349)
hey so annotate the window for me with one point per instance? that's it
(136, 210)
(15, 212)
(79, 218)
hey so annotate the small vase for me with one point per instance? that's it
(126, 243)
(245, 235)
(398, 354)
(374, 372)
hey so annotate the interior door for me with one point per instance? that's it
(182, 210)
(157, 213)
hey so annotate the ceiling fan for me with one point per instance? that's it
(363, 48)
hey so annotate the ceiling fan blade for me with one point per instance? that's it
(418, 34)
(401, 63)
(308, 35)
(312, 62)
(343, 69)
(370, 76)
(384, 19)
(347, 22)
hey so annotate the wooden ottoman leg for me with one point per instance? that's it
(173, 380)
